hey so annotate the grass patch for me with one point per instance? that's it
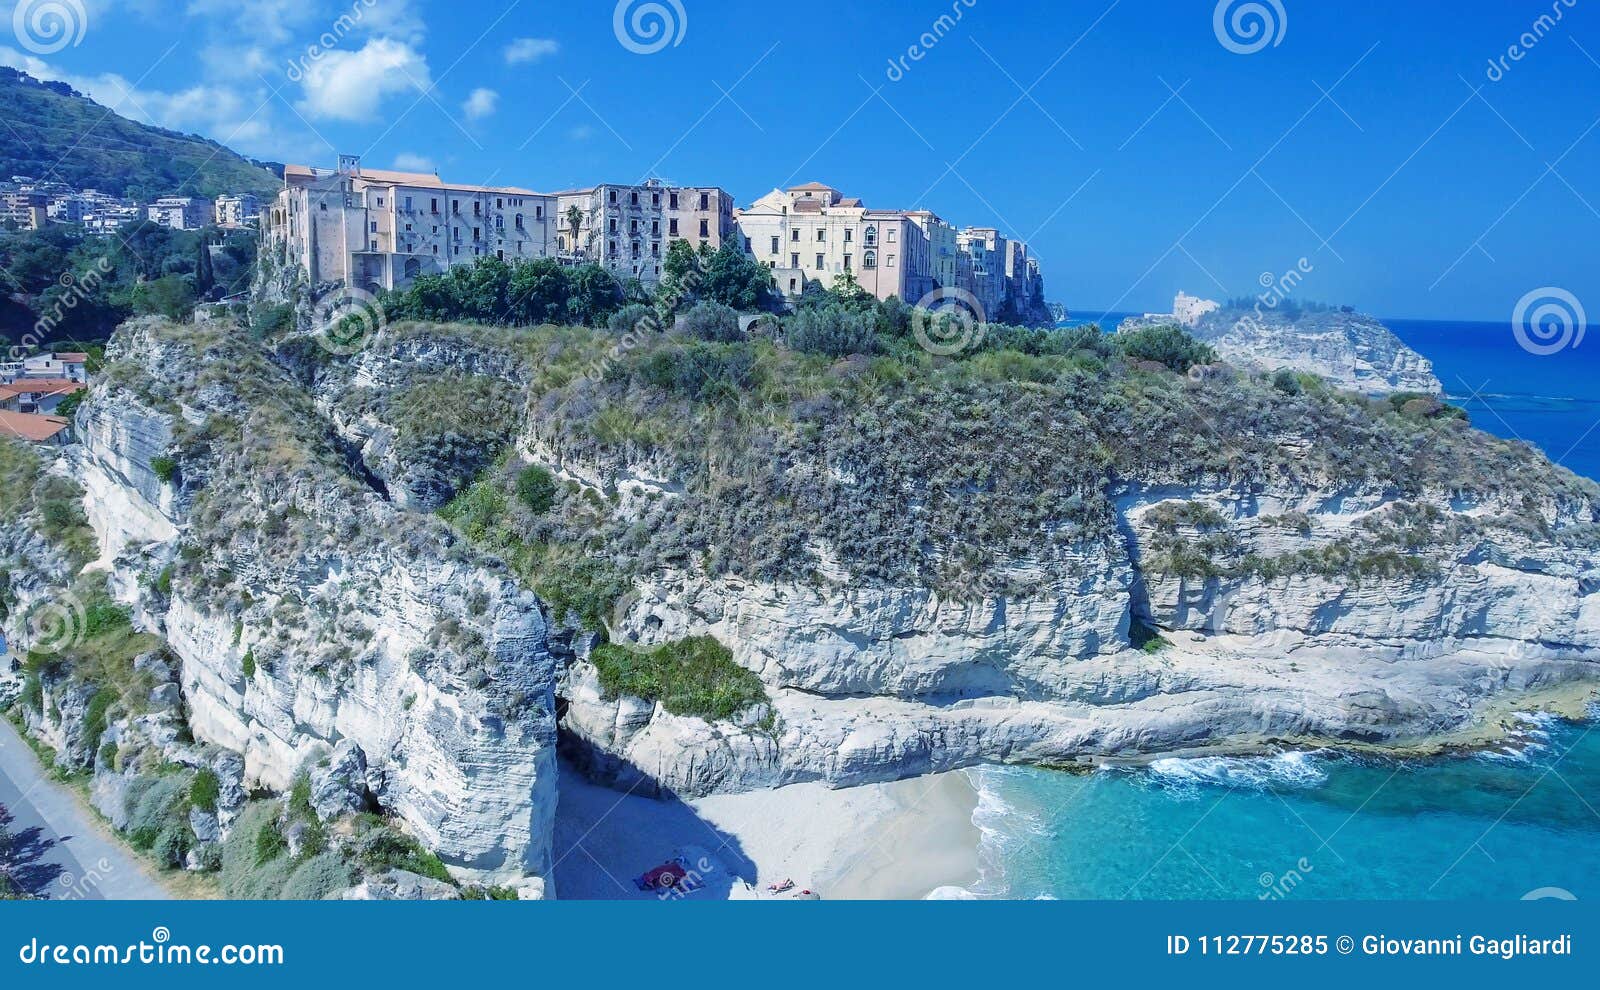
(693, 677)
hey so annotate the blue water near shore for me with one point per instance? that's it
(1504, 825)
(1523, 820)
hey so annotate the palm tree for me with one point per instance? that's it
(575, 221)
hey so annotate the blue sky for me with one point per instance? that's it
(1135, 150)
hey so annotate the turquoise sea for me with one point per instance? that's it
(1522, 821)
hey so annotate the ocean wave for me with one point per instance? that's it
(1002, 827)
(1187, 777)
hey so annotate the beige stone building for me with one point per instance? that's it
(814, 233)
(380, 229)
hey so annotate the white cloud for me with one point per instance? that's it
(353, 85)
(409, 162)
(530, 50)
(390, 18)
(480, 104)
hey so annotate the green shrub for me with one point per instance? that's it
(536, 486)
(165, 468)
(380, 846)
(630, 317)
(248, 664)
(255, 860)
(94, 716)
(693, 677)
(1165, 344)
(158, 817)
(205, 790)
(713, 322)
(318, 878)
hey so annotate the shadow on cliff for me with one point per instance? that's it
(605, 839)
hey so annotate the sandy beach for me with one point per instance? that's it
(900, 840)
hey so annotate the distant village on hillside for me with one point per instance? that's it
(30, 204)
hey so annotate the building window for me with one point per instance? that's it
(633, 199)
(655, 199)
(436, 206)
(519, 221)
(672, 226)
(538, 213)
(499, 204)
(613, 225)
(849, 235)
(613, 196)
(821, 263)
(705, 201)
(794, 235)
(893, 234)
(847, 262)
(869, 260)
(705, 228)
(889, 261)
(408, 204)
(672, 200)
(822, 234)
(655, 228)
(774, 243)
(872, 236)
(794, 261)
(374, 226)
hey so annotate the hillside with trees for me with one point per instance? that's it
(54, 133)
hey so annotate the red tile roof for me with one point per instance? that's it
(27, 426)
(41, 386)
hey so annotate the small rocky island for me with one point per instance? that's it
(1344, 348)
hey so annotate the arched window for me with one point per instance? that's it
(872, 235)
(869, 260)
(413, 268)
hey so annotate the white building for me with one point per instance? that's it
(237, 211)
(181, 212)
(1189, 310)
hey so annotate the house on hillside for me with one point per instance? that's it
(37, 395)
(53, 430)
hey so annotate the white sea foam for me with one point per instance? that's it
(1002, 827)
(1186, 777)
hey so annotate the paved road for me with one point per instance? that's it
(58, 849)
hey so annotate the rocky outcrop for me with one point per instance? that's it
(1348, 350)
(310, 617)
(1298, 624)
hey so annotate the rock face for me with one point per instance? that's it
(1349, 350)
(314, 619)
(870, 685)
